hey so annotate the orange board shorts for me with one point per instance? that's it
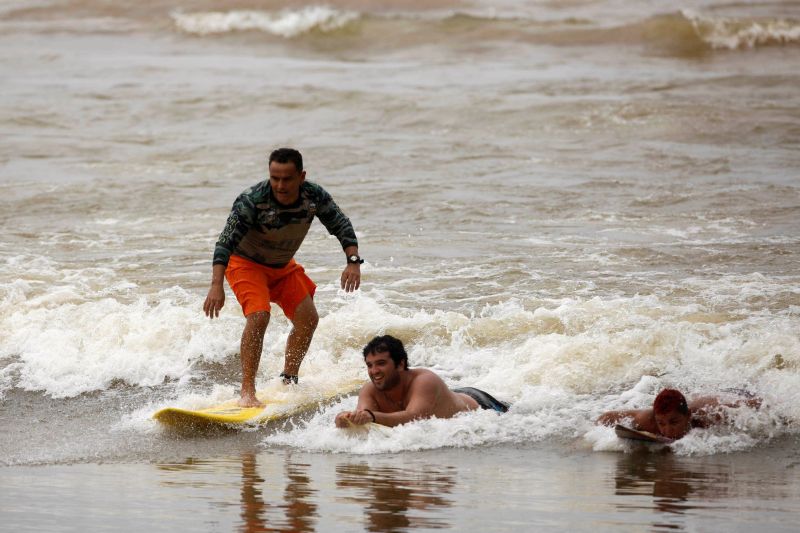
(255, 285)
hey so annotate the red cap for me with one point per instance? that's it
(669, 400)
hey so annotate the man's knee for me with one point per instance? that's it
(313, 320)
(258, 320)
(306, 316)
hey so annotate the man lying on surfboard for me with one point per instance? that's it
(672, 416)
(397, 394)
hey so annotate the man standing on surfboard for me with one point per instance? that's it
(397, 394)
(672, 416)
(255, 253)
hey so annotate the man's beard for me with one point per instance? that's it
(388, 383)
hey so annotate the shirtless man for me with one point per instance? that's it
(398, 394)
(671, 415)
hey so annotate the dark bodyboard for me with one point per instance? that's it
(624, 432)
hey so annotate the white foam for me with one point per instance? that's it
(561, 362)
(7, 376)
(67, 344)
(562, 366)
(603, 439)
(320, 434)
(286, 23)
(732, 34)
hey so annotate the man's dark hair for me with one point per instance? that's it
(387, 343)
(287, 155)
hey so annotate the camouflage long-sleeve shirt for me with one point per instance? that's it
(264, 231)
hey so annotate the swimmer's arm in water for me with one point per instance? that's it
(708, 410)
(610, 418)
(361, 415)
(643, 419)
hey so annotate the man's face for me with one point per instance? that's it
(382, 371)
(285, 181)
(673, 424)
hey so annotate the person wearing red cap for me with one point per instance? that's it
(672, 416)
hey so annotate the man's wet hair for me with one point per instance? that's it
(287, 155)
(392, 345)
(669, 400)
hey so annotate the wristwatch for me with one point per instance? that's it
(354, 259)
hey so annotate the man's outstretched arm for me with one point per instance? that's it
(640, 418)
(361, 415)
(708, 410)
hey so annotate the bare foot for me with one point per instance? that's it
(249, 401)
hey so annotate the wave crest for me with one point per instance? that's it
(287, 23)
(684, 32)
(733, 34)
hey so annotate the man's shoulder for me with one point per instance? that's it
(645, 419)
(367, 389)
(704, 402)
(255, 193)
(425, 377)
(313, 191)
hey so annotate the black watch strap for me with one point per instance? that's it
(354, 259)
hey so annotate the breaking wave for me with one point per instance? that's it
(732, 34)
(286, 23)
(686, 32)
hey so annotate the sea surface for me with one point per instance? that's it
(569, 204)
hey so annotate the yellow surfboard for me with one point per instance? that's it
(280, 402)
